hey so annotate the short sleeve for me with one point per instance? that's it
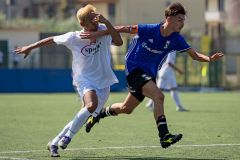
(182, 44)
(64, 39)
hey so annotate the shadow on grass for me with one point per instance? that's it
(138, 158)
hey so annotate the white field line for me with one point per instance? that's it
(124, 147)
(12, 158)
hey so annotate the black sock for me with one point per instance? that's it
(162, 126)
(108, 111)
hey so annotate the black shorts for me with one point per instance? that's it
(135, 81)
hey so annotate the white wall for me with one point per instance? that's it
(21, 38)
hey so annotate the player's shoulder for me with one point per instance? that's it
(149, 25)
(102, 26)
(70, 34)
(177, 36)
(75, 33)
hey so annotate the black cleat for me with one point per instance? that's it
(170, 139)
(91, 122)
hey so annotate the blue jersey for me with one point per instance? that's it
(148, 50)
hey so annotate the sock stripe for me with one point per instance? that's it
(107, 111)
(161, 123)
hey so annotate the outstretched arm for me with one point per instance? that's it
(27, 49)
(203, 58)
(132, 29)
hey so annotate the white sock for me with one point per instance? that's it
(61, 134)
(176, 99)
(78, 121)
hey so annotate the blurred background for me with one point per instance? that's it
(211, 26)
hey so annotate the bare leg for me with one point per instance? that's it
(90, 102)
(127, 107)
(151, 90)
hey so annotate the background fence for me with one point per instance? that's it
(56, 62)
(45, 80)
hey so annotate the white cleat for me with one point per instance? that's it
(53, 150)
(182, 109)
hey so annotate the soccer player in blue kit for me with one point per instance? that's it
(147, 52)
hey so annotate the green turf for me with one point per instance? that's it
(29, 121)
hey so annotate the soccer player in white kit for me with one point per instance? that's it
(166, 80)
(91, 69)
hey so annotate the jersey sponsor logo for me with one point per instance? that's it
(144, 45)
(91, 49)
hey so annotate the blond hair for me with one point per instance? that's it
(82, 13)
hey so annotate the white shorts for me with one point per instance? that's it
(102, 95)
(167, 82)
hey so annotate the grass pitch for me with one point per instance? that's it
(211, 130)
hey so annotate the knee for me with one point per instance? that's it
(91, 106)
(159, 97)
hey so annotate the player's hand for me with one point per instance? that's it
(89, 35)
(97, 17)
(216, 56)
(23, 50)
(102, 19)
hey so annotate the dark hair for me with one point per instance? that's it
(175, 9)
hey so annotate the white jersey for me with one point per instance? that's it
(166, 76)
(91, 62)
(166, 70)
